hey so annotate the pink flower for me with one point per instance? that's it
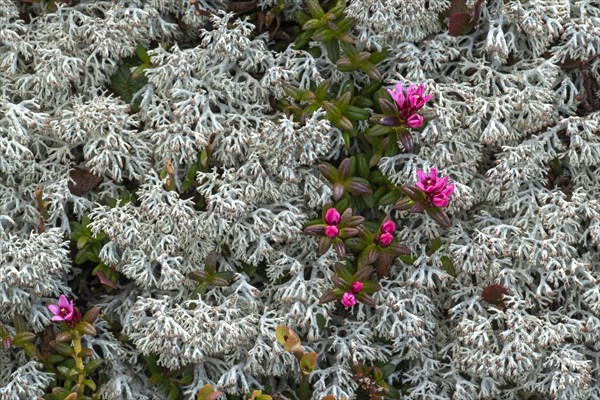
(388, 226)
(357, 287)
(348, 300)
(438, 190)
(64, 311)
(409, 101)
(385, 239)
(332, 217)
(332, 231)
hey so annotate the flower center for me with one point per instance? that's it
(63, 311)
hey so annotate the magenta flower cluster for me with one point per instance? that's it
(409, 101)
(438, 190)
(332, 218)
(349, 298)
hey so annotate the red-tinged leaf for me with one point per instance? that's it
(344, 169)
(404, 204)
(346, 217)
(407, 141)
(86, 328)
(458, 24)
(477, 12)
(387, 107)
(211, 260)
(390, 120)
(358, 186)
(366, 299)
(439, 216)
(494, 294)
(91, 315)
(324, 244)
(340, 249)
(418, 208)
(338, 191)
(383, 265)
(85, 352)
(288, 338)
(82, 181)
(63, 337)
(207, 392)
(106, 281)
(398, 249)
(329, 172)
(318, 230)
(308, 362)
(362, 274)
(346, 233)
(344, 123)
(199, 276)
(331, 295)
(356, 221)
(339, 282)
(72, 396)
(414, 192)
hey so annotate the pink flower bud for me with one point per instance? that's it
(332, 217)
(388, 226)
(385, 239)
(332, 231)
(357, 287)
(348, 300)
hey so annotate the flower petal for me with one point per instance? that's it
(54, 309)
(63, 302)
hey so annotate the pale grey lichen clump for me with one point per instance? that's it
(513, 98)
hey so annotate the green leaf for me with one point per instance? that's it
(315, 9)
(333, 49)
(63, 349)
(436, 244)
(125, 86)
(82, 241)
(301, 17)
(92, 365)
(156, 378)
(90, 383)
(142, 53)
(174, 393)
(308, 362)
(356, 113)
(448, 265)
(321, 322)
(378, 130)
(22, 337)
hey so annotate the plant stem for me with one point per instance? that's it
(78, 358)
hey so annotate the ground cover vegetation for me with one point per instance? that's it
(303, 199)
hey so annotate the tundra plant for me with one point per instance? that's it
(411, 187)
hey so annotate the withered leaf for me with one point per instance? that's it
(82, 181)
